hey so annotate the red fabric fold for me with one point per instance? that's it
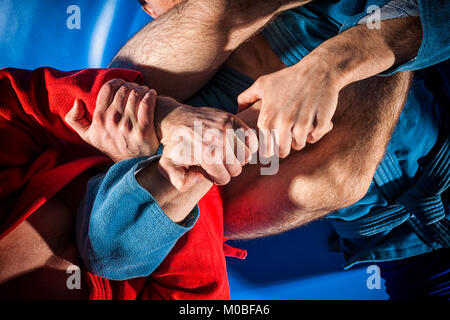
(40, 155)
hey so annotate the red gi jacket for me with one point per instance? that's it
(40, 154)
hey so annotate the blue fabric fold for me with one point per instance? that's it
(122, 232)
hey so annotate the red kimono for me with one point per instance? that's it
(40, 154)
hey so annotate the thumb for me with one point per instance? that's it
(75, 118)
(249, 96)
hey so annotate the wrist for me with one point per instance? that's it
(350, 63)
(343, 63)
(151, 180)
(165, 106)
(326, 68)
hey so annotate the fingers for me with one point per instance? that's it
(310, 131)
(251, 95)
(115, 128)
(106, 95)
(116, 110)
(145, 115)
(137, 125)
(245, 144)
(219, 143)
(246, 135)
(323, 120)
(217, 156)
(134, 101)
(240, 144)
(274, 133)
(300, 132)
(226, 148)
(283, 140)
(175, 174)
(267, 142)
(217, 173)
(130, 118)
(320, 131)
(76, 119)
(233, 167)
(180, 177)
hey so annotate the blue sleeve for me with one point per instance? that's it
(435, 47)
(122, 232)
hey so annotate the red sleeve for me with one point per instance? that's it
(38, 150)
(40, 154)
(45, 95)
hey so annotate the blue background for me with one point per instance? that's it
(294, 265)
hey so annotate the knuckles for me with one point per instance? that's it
(222, 180)
(236, 171)
(110, 86)
(263, 81)
(283, 154)
(122, 93)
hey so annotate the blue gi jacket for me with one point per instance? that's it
(402, 214)
(297, 32)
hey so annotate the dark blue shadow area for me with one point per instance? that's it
(300, 253)
(295, 265)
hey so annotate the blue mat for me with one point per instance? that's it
(295, 265)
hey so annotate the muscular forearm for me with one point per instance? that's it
(303, 190)
(376, 50)
(330, 175)
(181, 50)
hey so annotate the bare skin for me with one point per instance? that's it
(53, 243)
(338, 168)
(255, 58)
(35, 256)
(336, 172)
(324, 177)
(216, 29)
(30, 254)
(300, 101)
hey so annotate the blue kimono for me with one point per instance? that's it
(297, 32)
(402, 215)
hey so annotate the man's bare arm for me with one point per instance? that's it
(336, 172)
(327, 176)
(311, 183)
(299, 101)
(181, 50)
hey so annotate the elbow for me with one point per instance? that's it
(352, 188)
(331, 190)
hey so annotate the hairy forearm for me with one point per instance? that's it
(305, 188)
(337, 171)
(330, 175)
(376, 50)
(181, 50)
